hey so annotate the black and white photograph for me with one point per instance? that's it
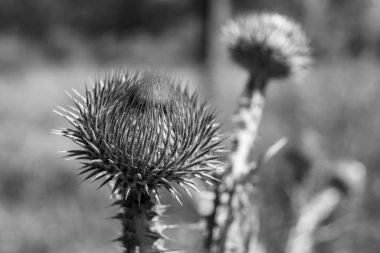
(189, 126)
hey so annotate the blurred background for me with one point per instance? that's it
(49, 46)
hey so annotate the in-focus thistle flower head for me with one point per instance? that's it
(142, 131)
(268, 43)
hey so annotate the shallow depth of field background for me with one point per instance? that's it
(47, 47)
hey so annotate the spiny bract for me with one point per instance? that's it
(142, 131)
(270, 43)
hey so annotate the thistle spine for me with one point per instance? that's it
(141, 228)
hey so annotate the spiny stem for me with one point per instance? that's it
(139, 216)
(235, 217)
(140, 226)
(247, 120)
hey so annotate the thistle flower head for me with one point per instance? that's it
(142, 131)
(268, 43)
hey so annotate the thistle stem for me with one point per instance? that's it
(247, 120)
(301, 237)
(141, 230)
(140, 227)
(234, 223)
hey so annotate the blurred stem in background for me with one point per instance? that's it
(268, 46)
(237, 201)
(327, 214)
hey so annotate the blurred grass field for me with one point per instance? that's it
(45, 208)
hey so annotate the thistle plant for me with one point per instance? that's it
(140, 132)
(268, 46)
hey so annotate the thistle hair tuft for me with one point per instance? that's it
(268, 43)
(142, 131)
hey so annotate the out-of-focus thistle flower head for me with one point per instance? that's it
(268, 43)
(142, 131)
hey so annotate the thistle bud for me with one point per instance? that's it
(141, 131)
(268, 43)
